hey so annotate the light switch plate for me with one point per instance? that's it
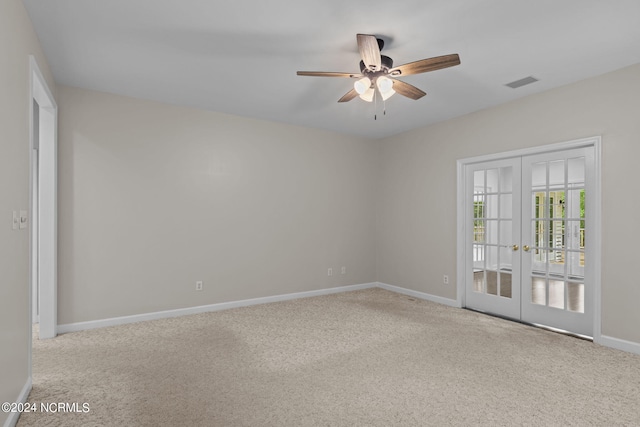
(23, 219)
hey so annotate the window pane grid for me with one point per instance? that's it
(557, 234)
(492, 223)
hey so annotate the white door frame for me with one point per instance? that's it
(595, 231)
(43, 203)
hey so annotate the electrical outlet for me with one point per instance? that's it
(445, 279)
(330, 271)
(199, 285)
(343, 270)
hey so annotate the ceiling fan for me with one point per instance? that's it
(377, 72)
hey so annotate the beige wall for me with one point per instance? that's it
(17, 42)
(154, 197)
(416, 230)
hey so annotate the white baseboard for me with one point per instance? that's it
(93, 324)
(607, 341)
(421, 295)
(617, 343)
(12, 420)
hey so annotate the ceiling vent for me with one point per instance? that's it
(522, 82)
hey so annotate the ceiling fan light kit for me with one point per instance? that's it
(368, 95)
(386, 95)
(378, 75)
(385, 84)
(362, 85)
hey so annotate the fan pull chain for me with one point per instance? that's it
(375, 105)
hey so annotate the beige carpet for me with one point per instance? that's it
(364, 358)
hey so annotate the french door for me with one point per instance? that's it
(527, 238)
(494, 264)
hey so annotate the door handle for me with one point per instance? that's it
(515, 247)
(526, 248)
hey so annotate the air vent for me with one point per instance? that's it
(522, 82)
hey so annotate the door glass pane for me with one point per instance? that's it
(478, 257)
(492, 282)
(539, 203)
(556, 261)
(506, 259)
(539, 175)
(479, 281)
(479, 203)
(492, 180)
(506, 206)
(506, 232)
(573, 233)
(556, 204)
(575, 168)
(506, 266)
(575, 203)
(478, 181)
(556, 234)
(538, 290)
(505, 284)
(556, 173)
(575, 264)
(556, 293)
(479, 228)
(491, 206)
(576, 297)
(539, 261)
(506, 180)
(491, 231)
(540, 234)
(492, 257)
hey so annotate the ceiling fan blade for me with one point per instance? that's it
(369, 51)
(407, 90)
(327, 74)
(348, 96)
(424, 65)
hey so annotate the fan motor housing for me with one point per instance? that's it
(387, 64)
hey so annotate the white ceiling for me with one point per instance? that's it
(241, 56)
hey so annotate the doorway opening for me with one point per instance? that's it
(43, 204)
